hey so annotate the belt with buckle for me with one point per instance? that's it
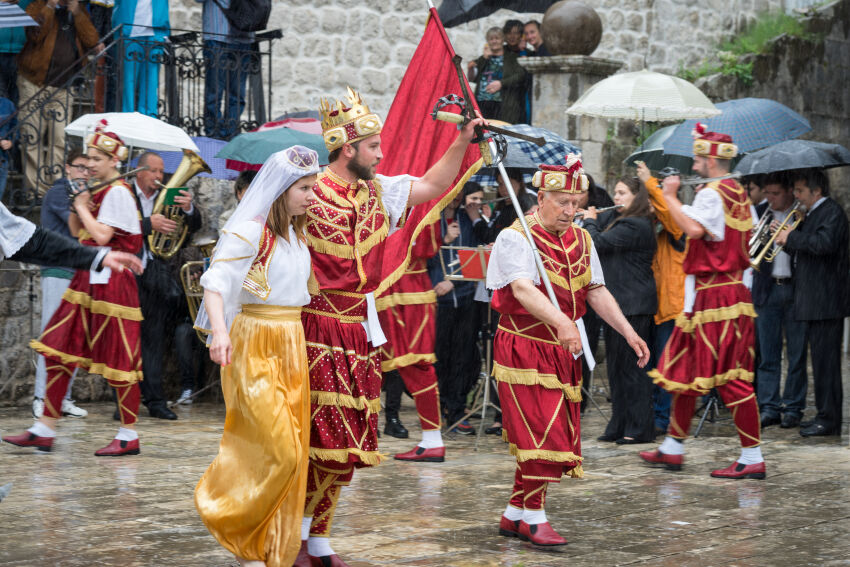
(781, 281)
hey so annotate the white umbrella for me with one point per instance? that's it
(645, 96)
(13, 16)
(136, 129)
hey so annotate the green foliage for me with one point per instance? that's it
(732, 58)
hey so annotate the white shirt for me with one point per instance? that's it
(15, 231)
(118, 210)
(512, 258)
(395, 195)
(817, 204)
(288, 270)
(782, 262)
(143, 19)
(707, 210)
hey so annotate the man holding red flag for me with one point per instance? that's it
(348, 223)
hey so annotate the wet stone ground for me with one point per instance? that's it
(71, 508)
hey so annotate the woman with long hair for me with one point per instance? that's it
(625, 241)
(251, 498)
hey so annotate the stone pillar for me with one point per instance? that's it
(558, 82)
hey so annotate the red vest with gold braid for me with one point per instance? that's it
(347, 228)
(729, 256)
(120, 240)
(566, 258)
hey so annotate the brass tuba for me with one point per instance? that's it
(190, 276)
(166, 245)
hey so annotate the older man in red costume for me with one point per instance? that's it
(354, 212)
(408, 317)
(538, 375)
(712, 345)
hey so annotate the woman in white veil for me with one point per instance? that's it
(251, 498)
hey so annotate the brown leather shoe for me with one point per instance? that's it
(119, 448)
(27, 439)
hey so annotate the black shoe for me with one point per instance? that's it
(769, 419)
(818, 430)
(494, 430)
(630, 441)
(606, 437)
(807, 423)
(161, 412)
(116, 416)
(789, 420)
(394, 428)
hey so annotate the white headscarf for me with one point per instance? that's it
(277, 175)
(15, 231)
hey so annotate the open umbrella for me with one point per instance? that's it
(651, 152)
(13, 16)
(753, 123)
(455, 12)
(136, 129)
(645, 96)
(255, 147)
(794, 154)
(207, 148)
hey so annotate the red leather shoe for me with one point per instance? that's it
(434, 455)
(328, 561)
(303, 557)
(509, 528)
(27, 439)
(736, 470)
(540, 534)
(671, 462)
(118, 448)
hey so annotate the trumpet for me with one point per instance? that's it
(580, 214)
(762, 242)
(80, 185)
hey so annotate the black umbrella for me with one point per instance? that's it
(794, 154)
(455, 12)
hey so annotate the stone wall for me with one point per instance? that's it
(330, 44)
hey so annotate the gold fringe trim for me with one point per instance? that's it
(102, 307)
(523, 455)
(370, 458)
(714, 315)
(576, 472)
(702, 385)
(416, 298)
(408, 359)
(426, 221)
(322, 246)
(94, 367)
(531, 377)
(338, 400)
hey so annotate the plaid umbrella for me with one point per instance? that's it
(13, 16)
(525, 155)
(753, 123)
(794, 154)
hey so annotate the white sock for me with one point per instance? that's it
(125, 434)
(672, 446)
(319, 547)
(431, 439)
(751, 455)
(305, 527)
(38, 428)
(512, 513)
(534, 516)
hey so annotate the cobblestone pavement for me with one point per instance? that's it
(71, 508)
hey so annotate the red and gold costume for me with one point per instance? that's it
(712, 345)
(97, 326)
(407, 312)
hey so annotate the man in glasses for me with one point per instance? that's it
(55, 209)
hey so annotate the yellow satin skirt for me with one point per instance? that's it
(252, 496)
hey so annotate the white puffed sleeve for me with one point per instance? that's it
(707, 210)
(119, 210)
(512, 258)
(396, 194)
(596, 275)
(234, 255)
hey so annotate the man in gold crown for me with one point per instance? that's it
(353, 213)
(533, 352)
(712, 345)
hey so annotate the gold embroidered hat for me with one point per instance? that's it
(347, 122)
(107, 142)
(713, 144)
(569, 178)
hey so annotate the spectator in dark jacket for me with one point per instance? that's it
(503, 214)
(625, 242)
(458, 358)
(500, 89)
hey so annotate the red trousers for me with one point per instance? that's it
(58, 376)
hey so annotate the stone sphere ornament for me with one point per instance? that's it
(571, 27)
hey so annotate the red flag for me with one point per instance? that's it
(413, 141)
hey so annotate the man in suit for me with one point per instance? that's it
(773, 299)
(820, 252)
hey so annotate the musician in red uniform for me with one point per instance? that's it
(712, 345)
(408, 317)
(539, 378)
(353, 213)
(97, 325)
